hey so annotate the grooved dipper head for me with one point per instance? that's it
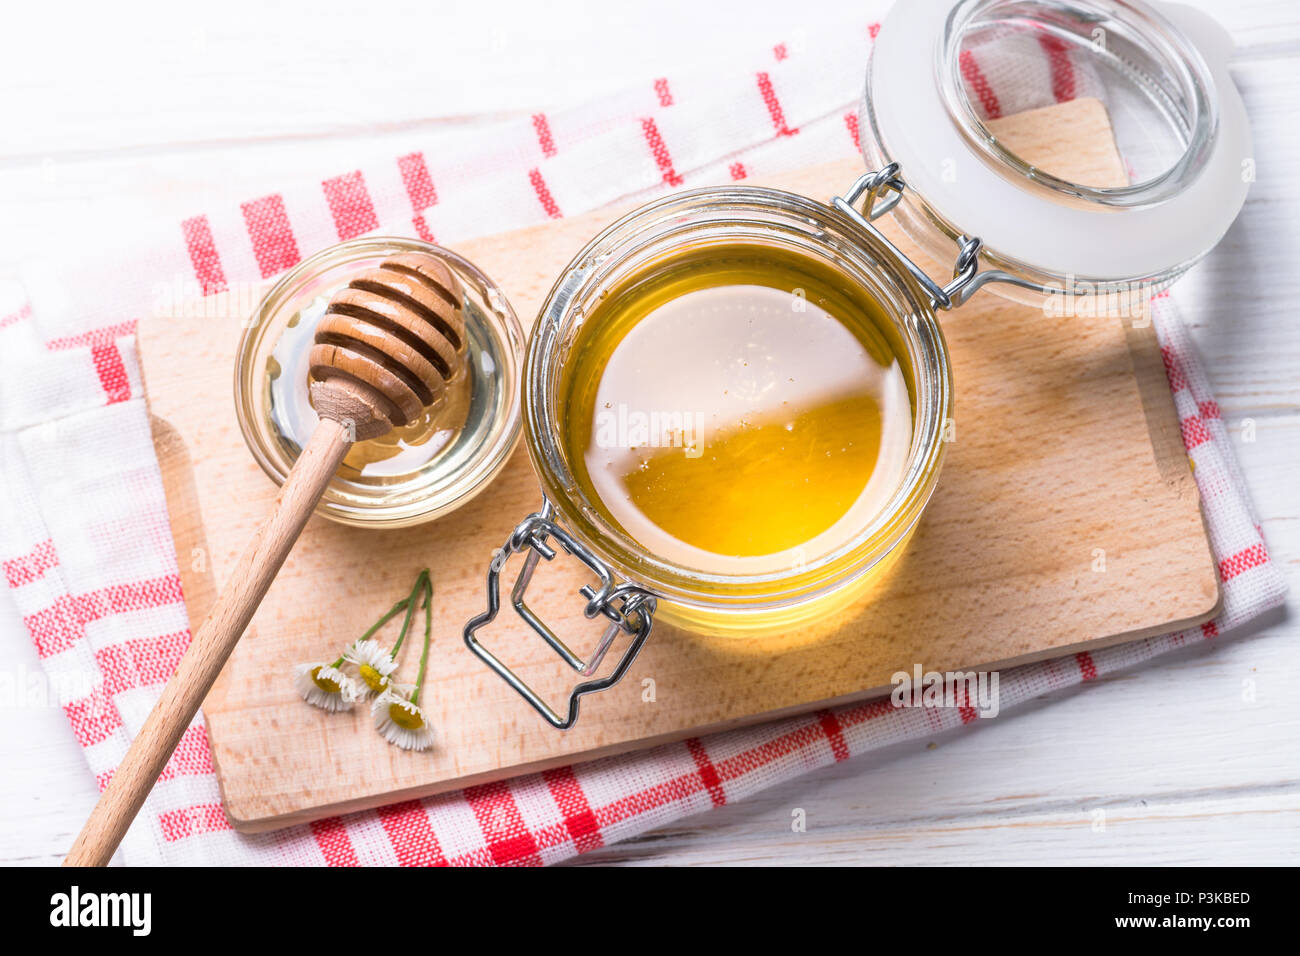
(388, 344)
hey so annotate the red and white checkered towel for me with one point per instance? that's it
(85, 545)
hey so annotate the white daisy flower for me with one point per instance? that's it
(374, 665)
(401, 722)
(325, 686)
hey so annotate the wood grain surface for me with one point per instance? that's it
(1066, 449)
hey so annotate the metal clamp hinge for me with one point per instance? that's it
(628, 608)
(879, 192)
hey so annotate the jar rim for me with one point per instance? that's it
(749, 214)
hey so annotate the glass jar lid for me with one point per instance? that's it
(944, 79)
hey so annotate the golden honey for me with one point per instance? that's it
(737, 408)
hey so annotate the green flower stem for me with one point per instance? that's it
(388, 616)
(410, 602)
(428, 638)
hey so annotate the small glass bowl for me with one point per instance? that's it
(413, 474)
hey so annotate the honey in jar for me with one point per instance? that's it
(737, 408)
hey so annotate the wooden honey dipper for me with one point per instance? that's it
(383, 352)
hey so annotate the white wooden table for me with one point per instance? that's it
(159, 109)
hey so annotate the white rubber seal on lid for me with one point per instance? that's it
(1022, 223)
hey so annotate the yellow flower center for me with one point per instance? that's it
(374, 680)
(405, 716)
(326, 684)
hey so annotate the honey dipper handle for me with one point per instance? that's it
(211, 645)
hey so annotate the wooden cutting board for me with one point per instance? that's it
(1066, 519)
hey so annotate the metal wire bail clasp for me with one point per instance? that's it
(879, 192)
(628, 608)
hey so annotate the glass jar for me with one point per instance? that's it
(1161, 73)
(415, 473)
(634, 583)
(744, 603)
